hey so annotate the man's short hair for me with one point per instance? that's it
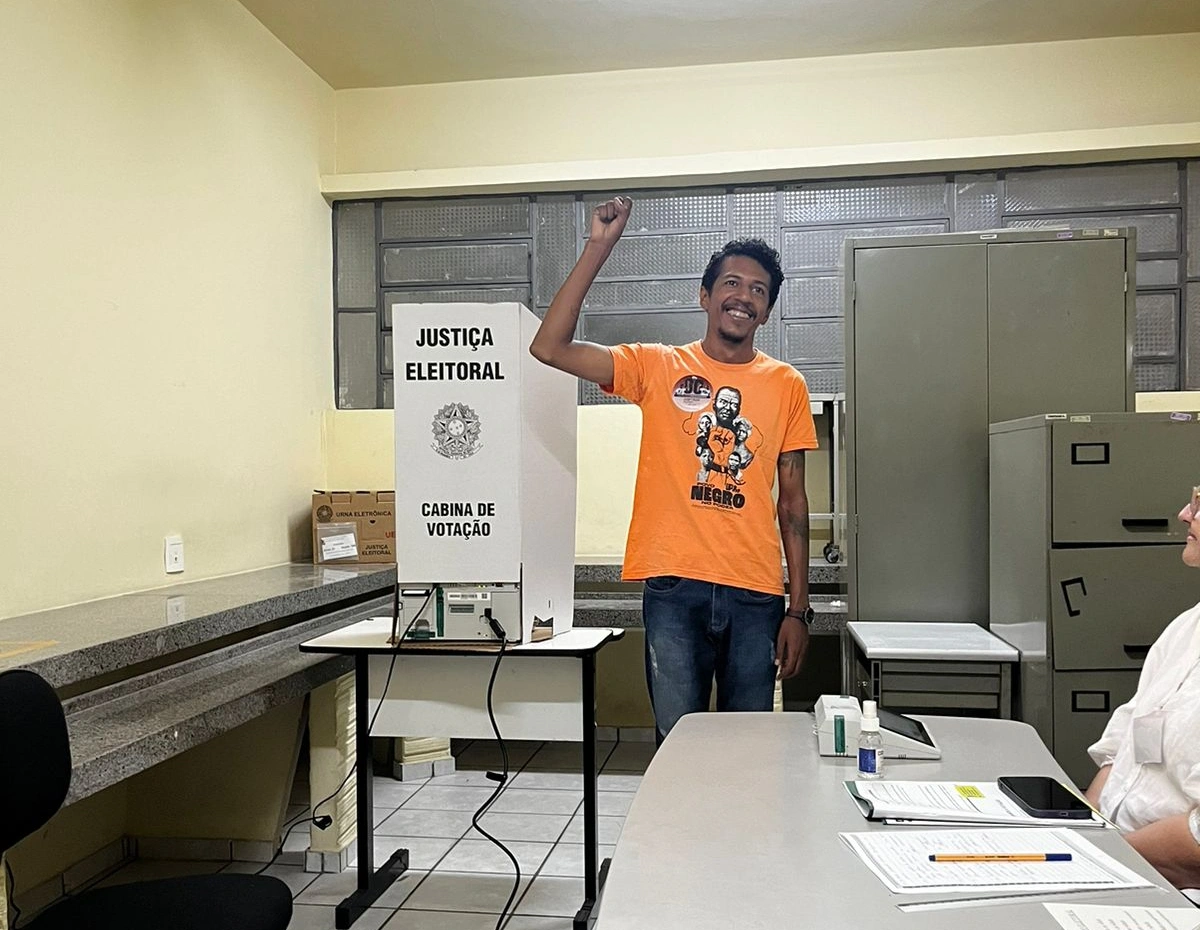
(756, 249)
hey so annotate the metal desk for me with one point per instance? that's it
(939, 668)
(735, 826)
(544, 690)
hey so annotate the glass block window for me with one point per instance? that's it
(389, 254)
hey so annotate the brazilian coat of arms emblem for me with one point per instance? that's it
(456, 432)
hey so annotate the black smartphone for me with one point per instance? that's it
(1040, 796)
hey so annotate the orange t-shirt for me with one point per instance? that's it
(712, 434)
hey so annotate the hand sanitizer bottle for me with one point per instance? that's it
(870, 743)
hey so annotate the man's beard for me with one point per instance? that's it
(736, 339)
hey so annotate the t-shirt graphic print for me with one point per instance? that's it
(712, 434)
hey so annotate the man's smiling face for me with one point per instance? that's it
(738, 302)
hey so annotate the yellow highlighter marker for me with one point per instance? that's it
(1003, 857)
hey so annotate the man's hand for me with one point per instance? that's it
(608, 221)
(555, 344)
(790, 647)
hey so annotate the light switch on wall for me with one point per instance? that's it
(173, 555)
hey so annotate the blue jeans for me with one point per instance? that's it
(695, 629)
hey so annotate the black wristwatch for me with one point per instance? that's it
(806, 615)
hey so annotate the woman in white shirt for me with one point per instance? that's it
(1149, 755)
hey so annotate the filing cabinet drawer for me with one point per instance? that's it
(954, 688)
(1109, 604)
(1083, 704)
(1122, 482)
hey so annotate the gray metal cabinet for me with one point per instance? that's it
(1085, 561)
(903, 404)
(1104, 462)
(1108, 604)
(1083, 704)
(943, 334)
(1058, 334)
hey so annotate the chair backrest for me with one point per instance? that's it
(35, 754)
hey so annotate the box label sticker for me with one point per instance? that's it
(342, 546)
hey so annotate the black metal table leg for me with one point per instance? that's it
(371, 883)
(591, 790)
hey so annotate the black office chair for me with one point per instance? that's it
(35, 771)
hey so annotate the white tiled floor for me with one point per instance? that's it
(458, 880)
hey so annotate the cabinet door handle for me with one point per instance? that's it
(1066, 586)
(1090, 702)
(1144, 524)
(1136, 652)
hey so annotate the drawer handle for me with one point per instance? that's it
(1066, 585)
(1144, 524)
(1136, 652)
(1089, 453)
(1089, 702)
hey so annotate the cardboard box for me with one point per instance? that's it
(353, 526)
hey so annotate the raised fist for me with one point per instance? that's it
(609, 219)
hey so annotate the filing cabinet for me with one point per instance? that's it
(946, 334)
(1085, 569)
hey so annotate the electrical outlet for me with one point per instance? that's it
(173, 555)
(176, 609)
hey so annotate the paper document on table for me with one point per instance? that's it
(945, 802)
(901, 861)
(1121, 917)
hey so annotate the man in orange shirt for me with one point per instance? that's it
(706, 540)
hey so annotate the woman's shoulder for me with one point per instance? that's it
(1179, 632)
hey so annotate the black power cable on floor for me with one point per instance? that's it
(291, 825)
(324, 821)
(501, 777)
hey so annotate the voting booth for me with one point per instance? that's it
(485, 476)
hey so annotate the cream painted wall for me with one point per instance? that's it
(1167, 402)
(358, 450)
(72, 835)
(235, 786)
(924, 110)
(165, 291)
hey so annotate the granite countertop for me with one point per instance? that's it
(819, 572)
(72, 644)
(127, 727)
(625, 611)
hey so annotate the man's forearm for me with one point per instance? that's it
(793, 530)
(1169, 846)
(558, 326)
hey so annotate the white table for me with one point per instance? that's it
(544, 690)
(736, 825)
(929, 667)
